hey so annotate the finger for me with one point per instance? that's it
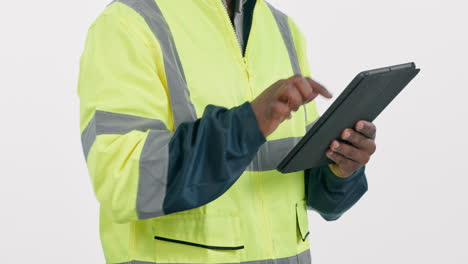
(350, 152)
(303, 86)
(366, 128)
(318, 88)
(280, 111)
(291, 96)
(344, 163)
(358, 140)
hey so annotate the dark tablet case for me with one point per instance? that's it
(363, 99)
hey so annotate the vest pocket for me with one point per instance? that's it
(191, 238)
(302, 220)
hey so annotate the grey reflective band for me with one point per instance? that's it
(154, 157)
(113, 123)
(182, 108)
(283, 25)
(271, 153)
(88, 136)
(154, 164)
(301, 258)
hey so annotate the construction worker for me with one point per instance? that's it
(186, 109)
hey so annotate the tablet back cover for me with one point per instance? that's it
(366, 101)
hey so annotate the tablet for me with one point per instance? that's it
(363, 99)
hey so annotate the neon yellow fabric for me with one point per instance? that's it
(122, 71)
(301, 48)
(116, 59)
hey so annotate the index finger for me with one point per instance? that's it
(318, 88)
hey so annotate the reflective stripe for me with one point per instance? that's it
(285, 30)
(301, 258)
(154, 158)
(154, 164)
(271, 153)
(88, 136)
(182, 108)
(113, 123)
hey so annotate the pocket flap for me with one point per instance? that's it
(211, 232)
(302, 219)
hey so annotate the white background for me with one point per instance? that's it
(416, 209)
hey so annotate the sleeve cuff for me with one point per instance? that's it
(250, 123)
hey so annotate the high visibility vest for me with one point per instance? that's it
(180, 57)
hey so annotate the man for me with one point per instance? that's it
(182, 129)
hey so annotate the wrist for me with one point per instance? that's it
(338, 172)
(255, 124)
(258, 117)
(337, 179)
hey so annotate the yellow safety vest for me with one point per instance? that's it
(149, 66)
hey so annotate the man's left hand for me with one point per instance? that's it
(355, 152)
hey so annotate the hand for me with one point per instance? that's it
(275, 104)
(350, 157)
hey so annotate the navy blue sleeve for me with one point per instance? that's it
(208, 155)
(331, 195)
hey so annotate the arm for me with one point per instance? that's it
(139, 168)
(331, 195)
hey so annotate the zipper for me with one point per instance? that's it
(233, 30)
(240, 56)
(266, 225)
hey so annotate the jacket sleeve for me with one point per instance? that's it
(331, 195)
(139, 165)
